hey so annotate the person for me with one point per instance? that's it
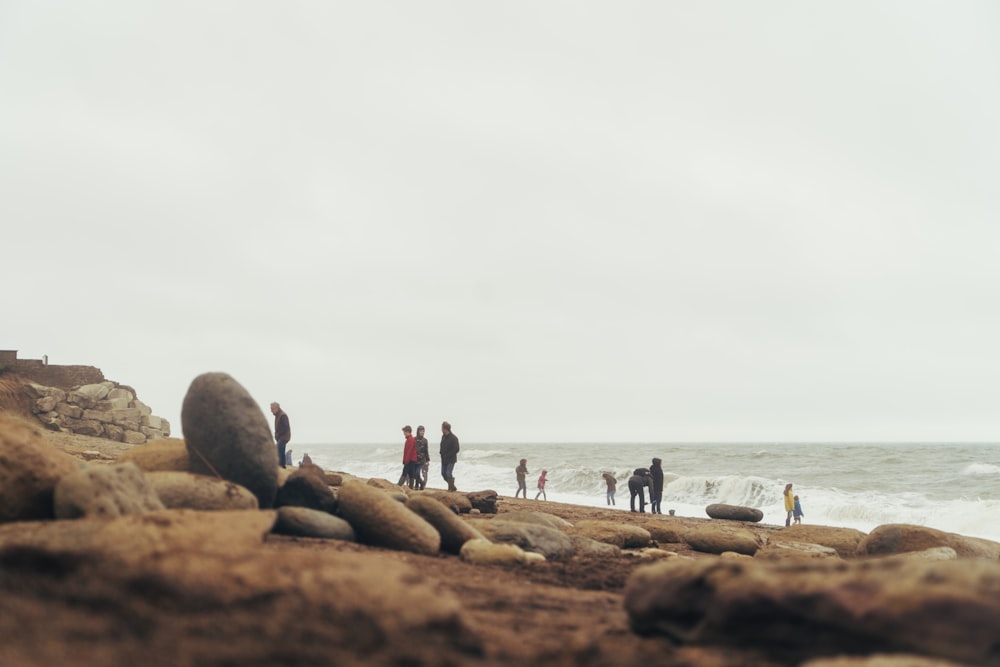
(423, 458)
(789, 505)
(410, 470)
(541, 486)
(288, 456)
(612, 483)
(282, 431)
(306, 460)
(797, 511)
(449, 455)
(636, 482)
(522, 471)
(656, 491)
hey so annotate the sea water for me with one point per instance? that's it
(949, 486)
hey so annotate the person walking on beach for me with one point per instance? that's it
(656, 491)
(636, 484)
(789, 504)
(449, 455)
(522, 471)
(797, 511)
(541, 486)
(282, 431)
(423, 458)
(612, 483)
(411, 471)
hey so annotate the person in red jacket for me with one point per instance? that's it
(541, 485)
(411, 468)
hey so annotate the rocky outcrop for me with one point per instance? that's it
(794, 611)
(101, 410)
(227, 436)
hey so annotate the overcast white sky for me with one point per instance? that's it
(542, 221)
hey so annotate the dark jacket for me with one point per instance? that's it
(656, 470)
(449, 448)
(282, 429)
(423, 453)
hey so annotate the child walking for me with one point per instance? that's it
(797, 511)
(541, 486)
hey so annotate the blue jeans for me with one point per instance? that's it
(447, 470)
(281, 452)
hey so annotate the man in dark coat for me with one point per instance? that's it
(656, 491)
(449, 455)
(282, 431)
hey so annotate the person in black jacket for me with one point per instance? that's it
(656, 491)
(449, 455)
(640, 478)
(282, 432)
(423, 457)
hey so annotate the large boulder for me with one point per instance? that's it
(382, 521)
(797, 610)
(30, 468)
(898, 538)
(105, 491)
(227, 435)
(734, 512)
(185, 490)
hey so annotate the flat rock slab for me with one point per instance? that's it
(796, 610)
(305, 522)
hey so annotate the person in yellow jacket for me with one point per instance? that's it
(789, 504)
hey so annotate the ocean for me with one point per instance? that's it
(949, 486)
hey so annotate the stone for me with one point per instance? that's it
(484, 552)
(45, 404)
(790, 549)
(484, 501)
(104, 491)
(133, 437)
(585, 546)
(381, 521)
(550, 542)
(163, 454)
(458, 501)
(808, 609)
(899, 538)
(844, 540)
(305, 522)
(186, 490)
(306, 487)
(716, 538)
(227, 436)
(384, 485)
(734, 512)
(622, 535)
(665, 530)
(454, 531)
(87, 395)
(69, 410)
(537, 518)
(881, 660)
(30, 468)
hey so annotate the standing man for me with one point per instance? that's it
(282, 431)
(636, 487)
(423, 457)
(656, 491)
(449, 455)
(410, 469)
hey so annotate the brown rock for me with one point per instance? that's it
(186, 490)
(382, 521)
(622, 535)
(454, 531)
(844, 540)
(716, 538)
(734, 512)
(30, 468)
(163, 454)
(106, 492)
(898, 538)
(795, 610)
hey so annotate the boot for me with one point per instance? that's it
(451, 484)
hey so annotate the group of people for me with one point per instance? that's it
(417, 457)
(522, 486)
(651, 477)
(793, 508)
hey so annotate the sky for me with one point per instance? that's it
(542, 221)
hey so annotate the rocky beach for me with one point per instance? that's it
(200, 551)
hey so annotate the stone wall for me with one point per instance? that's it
(102, 410)
(54, 375)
